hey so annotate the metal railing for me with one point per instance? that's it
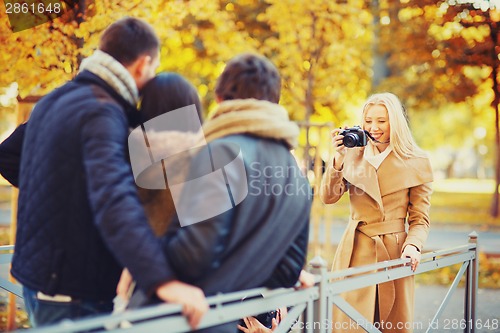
(310, 310)
(359, 277)
(6, 253)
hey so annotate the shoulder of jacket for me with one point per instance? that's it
(420, 163)
(419, 167)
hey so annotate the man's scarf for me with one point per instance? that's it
(113, 73)
(250, 116)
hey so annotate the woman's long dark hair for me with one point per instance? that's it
(167, 92)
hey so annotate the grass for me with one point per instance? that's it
(463, 201)
(489, 274)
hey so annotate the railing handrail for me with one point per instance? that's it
(6, 248)
(394, 273)
(451, 250)
(6, 254)
(230, 307)
(273, 300)
(398, 262)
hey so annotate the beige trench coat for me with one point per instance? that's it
(383, 203)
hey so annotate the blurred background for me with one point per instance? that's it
(440, 57)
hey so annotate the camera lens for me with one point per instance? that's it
(350, 140)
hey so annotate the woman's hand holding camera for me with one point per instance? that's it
(340, 149)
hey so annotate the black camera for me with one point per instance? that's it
(354, 137)
(265, 319)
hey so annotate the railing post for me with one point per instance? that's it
(320, 316)
(11, 311)
(471, 284)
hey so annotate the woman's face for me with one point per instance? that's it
(376, 122)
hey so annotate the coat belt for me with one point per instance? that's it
(387, 290)
(382, 228)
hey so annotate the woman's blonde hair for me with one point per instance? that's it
(402, 143)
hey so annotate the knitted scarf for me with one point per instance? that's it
(114, 73)
(251, 116)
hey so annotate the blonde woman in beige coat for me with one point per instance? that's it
(389, 185)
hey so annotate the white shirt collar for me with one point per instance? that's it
(373, 156)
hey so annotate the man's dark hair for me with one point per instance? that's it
(249, 76)
(129, 38)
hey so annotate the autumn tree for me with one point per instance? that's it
(475, 43)
(440, 53)
(322, 49)
(198, 37)
(417, 69)
(45, 56)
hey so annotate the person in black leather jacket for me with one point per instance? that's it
(261, 239)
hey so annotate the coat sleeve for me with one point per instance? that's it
(333, 185)
(197, 249)
(196, 246)
(287, 272)
(118, 214)
(418, 215)
(10, 155)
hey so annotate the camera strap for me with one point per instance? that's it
(375, 140)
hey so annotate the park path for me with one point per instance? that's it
(428, 299)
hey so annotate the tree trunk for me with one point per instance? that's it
(309, 98)
(496, 101)
(495, 201)
(309, 104)
(380, 69)
(79, 18)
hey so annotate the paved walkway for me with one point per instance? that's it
(428, 299)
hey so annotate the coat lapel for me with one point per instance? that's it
(398, 174)
(362, 174)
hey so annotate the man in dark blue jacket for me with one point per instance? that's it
(79, 218)
(10, 155)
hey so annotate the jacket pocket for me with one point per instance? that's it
(55, 272)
